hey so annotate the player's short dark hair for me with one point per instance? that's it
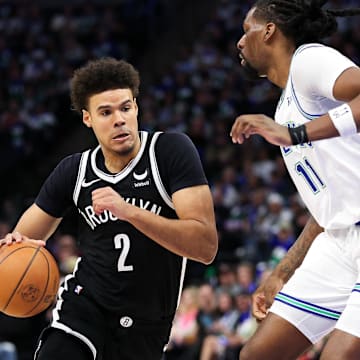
(304, 21)
(101, 75)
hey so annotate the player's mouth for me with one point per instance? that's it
(121, 137)
(243, 61)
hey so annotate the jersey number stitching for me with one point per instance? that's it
(122, 241)
(306, 170)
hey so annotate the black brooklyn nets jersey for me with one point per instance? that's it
(120, 268)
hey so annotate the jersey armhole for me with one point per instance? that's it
(156, 173)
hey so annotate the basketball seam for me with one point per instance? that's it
(45, 288)
(19, 249)
(23, 275)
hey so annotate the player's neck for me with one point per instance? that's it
(115, 162)
(278, 71)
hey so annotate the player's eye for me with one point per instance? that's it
(105, 112)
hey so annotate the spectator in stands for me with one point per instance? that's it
(216, 341)
(207, 315)
(185, 331)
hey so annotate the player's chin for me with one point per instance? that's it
(124, 149)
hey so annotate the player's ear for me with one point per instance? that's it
(86, 118)
(269, 31)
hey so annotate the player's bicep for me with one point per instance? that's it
(194, 203)
(347, 85)
(36, 224)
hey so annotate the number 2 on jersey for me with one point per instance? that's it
(312, 178)
(122, 242)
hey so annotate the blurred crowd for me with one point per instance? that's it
(200, 92)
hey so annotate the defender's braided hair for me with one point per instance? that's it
(302, 20)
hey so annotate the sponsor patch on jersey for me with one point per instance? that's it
(126, 321)
(142, 180)
(140, 177)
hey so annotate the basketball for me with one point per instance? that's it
(29, 279)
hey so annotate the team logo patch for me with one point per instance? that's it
(126, 321)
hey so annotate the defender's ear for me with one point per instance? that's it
(86, 118)
(270, 29)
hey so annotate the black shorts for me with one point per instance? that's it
(106, 336)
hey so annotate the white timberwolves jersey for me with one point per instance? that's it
(325, 172)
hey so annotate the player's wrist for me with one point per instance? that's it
(343, 120)
(298, 135)
(129, 212)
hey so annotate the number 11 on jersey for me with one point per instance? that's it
(312, 178)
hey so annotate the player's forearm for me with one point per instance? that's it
(341, 121)
(297, 252)
(193, 239)
(36, 224)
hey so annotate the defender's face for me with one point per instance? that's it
(250, 46)
(112, 115)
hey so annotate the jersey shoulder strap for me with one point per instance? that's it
(80, 175)
(156, 172)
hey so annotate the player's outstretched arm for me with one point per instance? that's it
(193, 235)
(264, 295)
(35, 225)
(340, 121)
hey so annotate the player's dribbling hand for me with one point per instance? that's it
(16, 237)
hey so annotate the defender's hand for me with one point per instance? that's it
(264, 296)
(247, 125)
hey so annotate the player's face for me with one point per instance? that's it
(112, 115)
(250, 45)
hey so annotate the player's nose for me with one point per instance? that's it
(240, 43)
(119, 118)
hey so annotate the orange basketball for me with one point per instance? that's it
(29, 279)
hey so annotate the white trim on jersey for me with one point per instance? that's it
(84, 339)
(81, 175)
(182, 276)
(114, 179)
(58, 325)
(156, 174)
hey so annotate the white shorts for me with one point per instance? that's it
(324, 291)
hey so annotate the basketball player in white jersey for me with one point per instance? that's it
(316, 125)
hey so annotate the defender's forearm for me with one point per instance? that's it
(297, 252)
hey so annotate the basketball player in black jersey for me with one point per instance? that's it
(144, 208)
